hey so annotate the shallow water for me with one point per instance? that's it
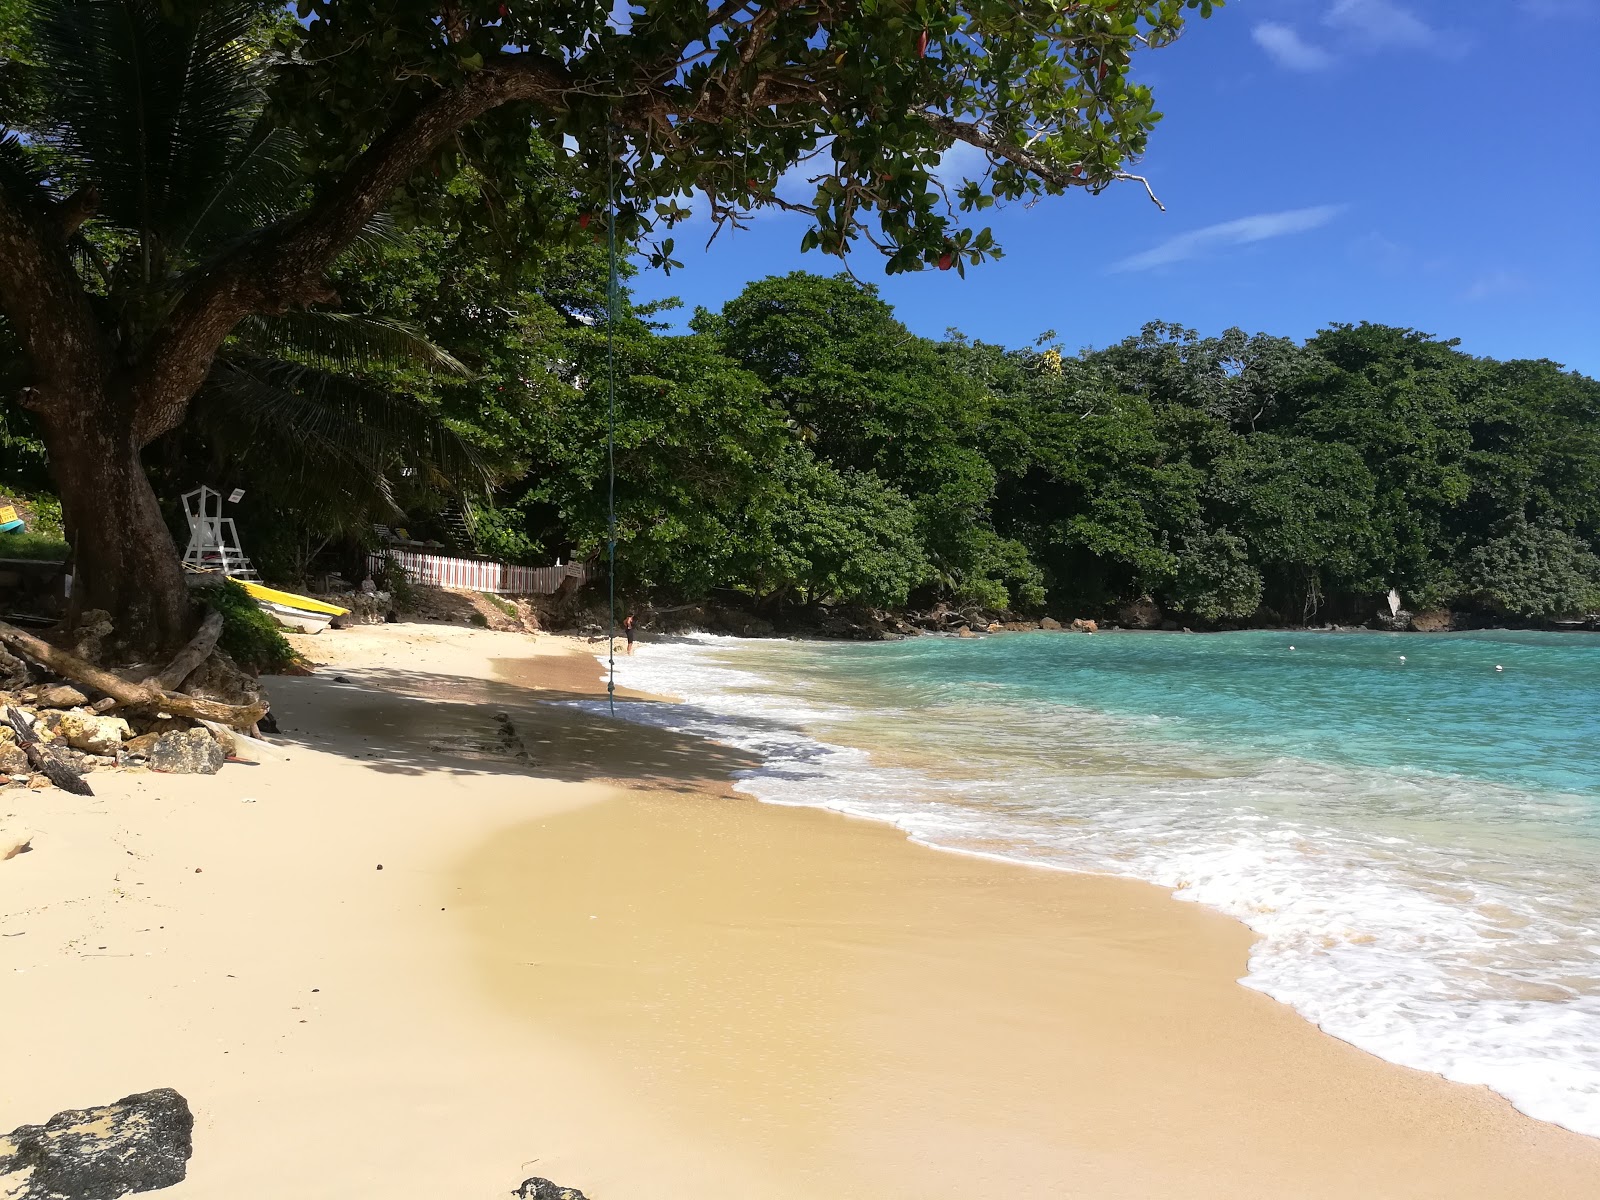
(1417, 841)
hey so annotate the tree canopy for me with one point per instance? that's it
(121, 281)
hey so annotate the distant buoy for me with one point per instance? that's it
(1498, 667)
(1291, 647)
(1402, 658)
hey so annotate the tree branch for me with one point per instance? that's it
(976, 135)
(283, 267)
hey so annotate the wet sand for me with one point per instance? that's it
(585, 958)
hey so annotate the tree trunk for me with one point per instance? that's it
(124, 558)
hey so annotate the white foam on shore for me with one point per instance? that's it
(1477, 959)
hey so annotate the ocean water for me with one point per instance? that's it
(1414, 834)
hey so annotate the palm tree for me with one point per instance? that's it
(153, 139)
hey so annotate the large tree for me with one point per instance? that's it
(676, 97)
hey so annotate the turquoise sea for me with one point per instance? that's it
(1414, 833)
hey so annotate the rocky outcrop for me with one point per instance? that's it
(53, 695)
(1049, 623)
(1433, 620)
(1084, 625)
(739, 624)
(221, 679)
(139, 1144)
(13, 761)
(88, 732)
(187, 752)
(1143, 613)
(542, 1189)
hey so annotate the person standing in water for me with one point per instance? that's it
(627, 628)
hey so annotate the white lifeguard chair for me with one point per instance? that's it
(213, 540)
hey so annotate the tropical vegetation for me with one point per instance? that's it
(177, 177)
(342, 275)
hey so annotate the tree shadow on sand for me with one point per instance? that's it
(407, 722)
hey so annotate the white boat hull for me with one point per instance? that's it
(296, 620)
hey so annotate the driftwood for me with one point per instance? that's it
(192, 655)
(43, 759)
(149, 696)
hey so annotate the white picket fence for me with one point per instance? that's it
(437, 570)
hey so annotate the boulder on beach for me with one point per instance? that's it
(536, 1188)
(55, 695)
(1084, 625)
(91, 733)
(187, 752)
(138, 1144)
(1049, 623)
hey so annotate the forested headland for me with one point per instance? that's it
(801, 446)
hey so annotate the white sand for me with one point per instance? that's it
(650, 989)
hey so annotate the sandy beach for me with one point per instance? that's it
(448, 934)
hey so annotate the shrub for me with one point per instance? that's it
(1534, 571)
(250, 637)
(1214, 578)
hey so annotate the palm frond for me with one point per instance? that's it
(20, 172)
(152, 111)
(261, 185)
(329, 439)
(336, 341)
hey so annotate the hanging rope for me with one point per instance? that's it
(611, 426)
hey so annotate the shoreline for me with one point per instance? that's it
(769, 1001)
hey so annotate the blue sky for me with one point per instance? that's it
(1433, 164)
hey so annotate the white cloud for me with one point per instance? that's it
(1495, 283)
(1230, 233)
(961, 161)
(1288, 49)
(1382, 25)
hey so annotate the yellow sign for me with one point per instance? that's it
(7, 515)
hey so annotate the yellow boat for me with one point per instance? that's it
(289, 600)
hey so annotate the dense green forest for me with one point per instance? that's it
(801, 445)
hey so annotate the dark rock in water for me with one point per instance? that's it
(187, 752)
(138, 1144)
(1049, 623)
(542, 1189)
(1398, 622)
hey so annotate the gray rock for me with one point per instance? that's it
(220, 678)
(138, 1144)
(542, 1189)
(92, 734)
(187, 752)
(58, 695)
